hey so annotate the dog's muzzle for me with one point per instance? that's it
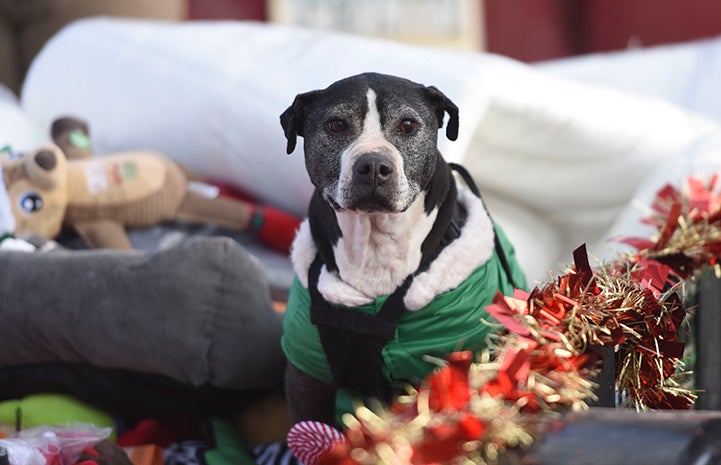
(374, 184)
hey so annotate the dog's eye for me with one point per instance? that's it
(408, 126)
(337, 125)
(31, 202)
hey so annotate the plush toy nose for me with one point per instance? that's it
(46, 160)
(46, 167)
(372, 168)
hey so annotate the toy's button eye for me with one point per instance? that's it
(31, 202)
(408, 126)
(337, 125)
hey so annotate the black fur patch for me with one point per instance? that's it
(324, 229)
(441, 192)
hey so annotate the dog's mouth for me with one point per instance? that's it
(367, 201)
(372, 205)
(336, 206)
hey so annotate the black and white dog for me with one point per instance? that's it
(389, 235)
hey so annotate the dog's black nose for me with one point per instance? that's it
(372, 168)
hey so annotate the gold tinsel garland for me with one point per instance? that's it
(479, 405)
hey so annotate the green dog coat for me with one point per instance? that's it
(445, 305)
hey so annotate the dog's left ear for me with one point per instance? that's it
(443, 104)
(293, 117)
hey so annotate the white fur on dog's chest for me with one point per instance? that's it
(378, 251)
(379, 257)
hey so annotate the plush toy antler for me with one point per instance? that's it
(73, 137)
(100, 196)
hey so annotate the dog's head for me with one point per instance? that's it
(370, 140)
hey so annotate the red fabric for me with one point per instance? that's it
(278, 228)
(546, 29)
(159, 432)
(227, 9)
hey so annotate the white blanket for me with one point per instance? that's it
(557, 160)
(684, 74)
(17, 130)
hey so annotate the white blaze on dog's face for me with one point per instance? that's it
(371, 142)
(371, 170)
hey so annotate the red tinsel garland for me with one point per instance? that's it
(479, 405)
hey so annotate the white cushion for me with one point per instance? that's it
(685, 74)
(702, 160)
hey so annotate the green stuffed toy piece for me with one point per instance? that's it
(49, 409)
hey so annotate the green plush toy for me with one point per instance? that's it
(49, 409)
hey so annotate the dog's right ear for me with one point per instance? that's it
(293, 118)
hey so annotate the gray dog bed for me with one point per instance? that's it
(197, 314)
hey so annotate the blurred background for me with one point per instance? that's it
(578, 103)
(521, 29)
(526, 30)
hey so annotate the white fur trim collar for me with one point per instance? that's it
(453, 265)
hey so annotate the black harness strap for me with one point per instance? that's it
(382, 324)
(496, 241)
(353, 341)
